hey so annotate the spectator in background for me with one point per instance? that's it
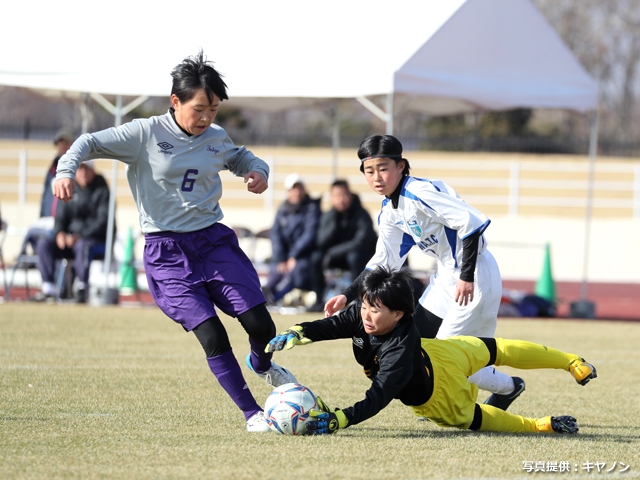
(293, 238)
(345, 240)
(43, 227)
(80, 232)
(63, 140)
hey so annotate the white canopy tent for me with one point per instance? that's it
(478, 54)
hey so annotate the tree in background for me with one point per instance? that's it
(605, 37)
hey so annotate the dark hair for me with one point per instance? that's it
(341, 183)
(195, 73)
(394, 290)
(382, 146)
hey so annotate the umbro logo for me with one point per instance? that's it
(358, 342)
(165, 146)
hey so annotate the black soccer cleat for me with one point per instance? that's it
(503, 401)
(564, 424)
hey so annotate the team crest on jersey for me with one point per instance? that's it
(165, 146)
(415, 228)
(211, 148)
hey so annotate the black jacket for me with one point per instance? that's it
(394, 362)
(342, 232)
(294, 230)
(48, 200)
(87, 213)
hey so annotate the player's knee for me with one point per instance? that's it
(476, 423)
(213, 337)
(258, 324)
(493, 349)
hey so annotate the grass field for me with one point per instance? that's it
(124, 393)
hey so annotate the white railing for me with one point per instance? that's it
(507, 184)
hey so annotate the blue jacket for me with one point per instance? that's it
(294, 231)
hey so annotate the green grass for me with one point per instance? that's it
(124, 393)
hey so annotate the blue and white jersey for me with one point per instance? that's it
(431, 215)
(173, 176)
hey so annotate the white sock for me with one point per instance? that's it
(488, 378)
(81, 285)
(48, 288)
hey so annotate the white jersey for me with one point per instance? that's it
(173, 176)
(431, 215)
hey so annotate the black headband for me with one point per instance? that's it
(393, 157)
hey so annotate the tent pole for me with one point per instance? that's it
(593, 145)
(390, 113)
(335, 137)
(112, 209)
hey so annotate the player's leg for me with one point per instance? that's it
(477, 319)
(223, 364)
(47, 252)
(258, 323)
(234, 287)
(491, 419)
(453, 401)
(528, 355)
(180, 293)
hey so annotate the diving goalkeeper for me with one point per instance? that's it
(429, 375)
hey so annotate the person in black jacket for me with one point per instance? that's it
(43, 227)
(345, 240)
(80, 233)
(293, 238)
(429, 375)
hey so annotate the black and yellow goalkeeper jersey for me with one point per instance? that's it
(396, 363)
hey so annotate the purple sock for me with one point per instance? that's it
(226, 369)
(260, 360)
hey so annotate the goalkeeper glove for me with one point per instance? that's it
(326, 420)
(289, 338)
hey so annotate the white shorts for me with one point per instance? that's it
(477, 319)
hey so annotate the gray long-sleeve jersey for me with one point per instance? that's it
(173, 176)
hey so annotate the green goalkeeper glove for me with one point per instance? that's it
(289, 339)
(326, 420)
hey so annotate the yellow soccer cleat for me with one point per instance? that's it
(582, 371)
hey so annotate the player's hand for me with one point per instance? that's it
(257, 182)
(63, 189)
(322, 423)
(289, 339)
(323, 406)
(464, 293)
(334, 304)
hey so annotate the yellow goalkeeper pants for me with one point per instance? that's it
(453, 402)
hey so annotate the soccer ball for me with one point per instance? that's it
(287, 408)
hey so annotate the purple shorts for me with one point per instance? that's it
(190, 272)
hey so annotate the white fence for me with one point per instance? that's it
(513, 184)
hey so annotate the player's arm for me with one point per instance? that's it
(121, 143)
(242, 162)
(342, 325)
(394, 374)
(464, 286)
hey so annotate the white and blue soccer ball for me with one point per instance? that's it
(287, 408)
